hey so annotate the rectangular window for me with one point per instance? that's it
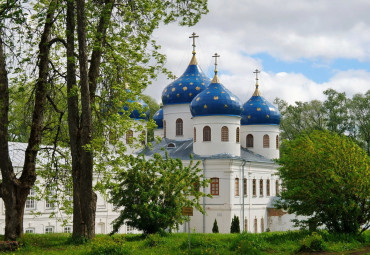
(254, 188)
(215, 186)
(236, 186)
(261, 188)
(49, 201)
(267, 187)
(30, 202)
(29, 230)
(262, 225)
(277, 188)
(49, 230)
(255, 225)
(67, 229)
(245, 187)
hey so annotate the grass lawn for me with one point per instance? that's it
(290, 242)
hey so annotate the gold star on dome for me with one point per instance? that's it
(215, 98)
(205, 106)
(258, 109)
(180, 84)
(267, 116)
(190, 94)
(185, 88)
(191, 83)
(223, 92)
(208, 92)
(226, 106)
(197, 99)
(168, 96)
(197, 88)
(249, 117)
(178, 95)
(250, 104)
(173, 89)
(232, 98)
(203, 83)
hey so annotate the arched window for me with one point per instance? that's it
(266, 141)
(262, 225)
(236, 186)
(129, 137)
(237, 135)
(224, 134)
(277, 142)
(255, 225)
(254, 188)
(261, 188)
(268, 187)
(179, 127)
(249, 141)
(215, 186)
(206, 134)
(164, 129)
(277, 188)
(245, 186)
(195, 134)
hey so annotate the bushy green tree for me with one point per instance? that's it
(326, 178)
(150, 194)
(215, 227)
(235, 225)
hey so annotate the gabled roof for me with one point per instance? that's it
(184, 148)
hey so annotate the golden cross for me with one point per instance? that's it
(257, 72)
(216, 56)
(193, 35)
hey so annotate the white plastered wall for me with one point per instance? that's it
(216, 146)
(173, 112)
(258, 131)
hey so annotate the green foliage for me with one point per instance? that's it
(152, 192)
(235, 225)
(338, 113)
(245, 243)
(313, 242)
(215, 227)
(326, 178)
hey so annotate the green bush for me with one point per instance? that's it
(107, 246)
(215, 227)
(154, 240)
(313, 242)
(235, 225)
(247, 247)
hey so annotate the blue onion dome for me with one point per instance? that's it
(216, 100)
(258, 111)
(158, 118)
(185, 88)
(142, 113)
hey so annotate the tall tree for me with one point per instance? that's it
(326, 178)
(14, 190)
(113, 39)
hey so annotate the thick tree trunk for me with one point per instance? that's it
(15, 191)
(87, 196)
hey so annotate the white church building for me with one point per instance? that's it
(236, 144)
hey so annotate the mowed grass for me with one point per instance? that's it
(289, 242)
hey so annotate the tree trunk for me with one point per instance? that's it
(15, 191)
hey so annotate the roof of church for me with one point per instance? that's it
(158, 118)
(184, 148)
(137, 113)
(259, 111)
(185, 88)
(216, 100)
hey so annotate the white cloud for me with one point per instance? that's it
(285, 29)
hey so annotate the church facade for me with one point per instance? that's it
(236, 143)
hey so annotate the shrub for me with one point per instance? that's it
(235, 225)
(313, 242)
(107, 247)
(154, 240)
(247, 247)
(215, 227)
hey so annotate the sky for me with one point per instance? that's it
(301, 47)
